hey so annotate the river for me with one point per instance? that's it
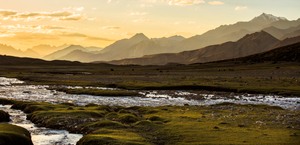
(11, 88)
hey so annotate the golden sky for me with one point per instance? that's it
(26, 23)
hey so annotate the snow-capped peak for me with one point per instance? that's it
(267, 18)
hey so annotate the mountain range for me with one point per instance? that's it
(9, 50)
(266, 31)
(140, 45)
(250, 44)
(287, 53)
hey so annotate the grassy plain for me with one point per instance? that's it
(269, 77)
(169, 125)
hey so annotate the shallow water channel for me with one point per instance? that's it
(41, 135)
(11, 88)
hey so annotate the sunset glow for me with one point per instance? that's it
(101, 22)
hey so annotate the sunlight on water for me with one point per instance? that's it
(151, 98)
(41, 135)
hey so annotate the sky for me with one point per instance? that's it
(26, 23)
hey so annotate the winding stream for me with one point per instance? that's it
(41, 135)
(11, 88)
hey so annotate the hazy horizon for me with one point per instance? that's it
(99, 23)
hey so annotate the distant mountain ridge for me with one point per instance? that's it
(44, 50)
(9, 50)
(236, 31)
(57, 55)
(140, 45)
(250, 44)
(283, 33)
(136, 46)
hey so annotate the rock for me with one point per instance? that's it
(241, 125)
(4, 116)
(216, 127)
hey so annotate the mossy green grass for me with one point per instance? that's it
(14, 135)
(172, 125)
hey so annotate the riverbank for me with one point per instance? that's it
(35, 135)
(157, 117)
(216, 124)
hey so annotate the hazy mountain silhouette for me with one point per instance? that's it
(136, 46)
(235, 31)
(288, 41)
(94, 49)
(9, 50)
(125, 44)
(250, 44)
(283, 33)
(62, 52)
(140, 45)
(81, 55)
(59, 55)
(44, 50)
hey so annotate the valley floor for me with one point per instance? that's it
(266, 78)
(224, 123)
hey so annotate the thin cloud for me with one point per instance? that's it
(72, 18)
(33, 36)
(56, 15)
(240, 8)
(215, 3)
(110, 28)
(55, 27)
(80, 35)
(30, 28)
(177, 2)
(7, 13)
(185, 2)
(5, 35)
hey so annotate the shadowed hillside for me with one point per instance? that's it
(289, 53)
